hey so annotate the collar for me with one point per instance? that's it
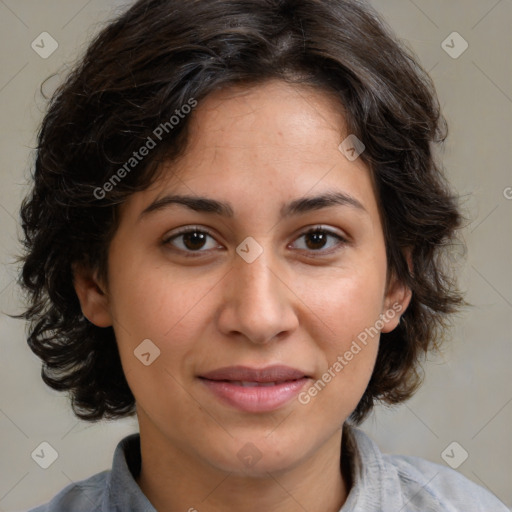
(124, 494)
(371, 481)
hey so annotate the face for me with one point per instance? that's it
(272, 288)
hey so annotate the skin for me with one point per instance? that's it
(301, 303)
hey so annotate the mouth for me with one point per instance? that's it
(253, 389)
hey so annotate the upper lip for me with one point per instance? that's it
(275, 373)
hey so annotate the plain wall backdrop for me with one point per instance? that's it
(467, 394)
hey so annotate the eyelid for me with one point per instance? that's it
(343, 239)
(187, 229)
(322, 227)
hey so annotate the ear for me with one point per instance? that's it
(397, 299)
(92, 296)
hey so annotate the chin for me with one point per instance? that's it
(256, 456)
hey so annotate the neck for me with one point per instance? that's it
(315, 483)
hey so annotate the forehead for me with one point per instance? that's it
(275, 139)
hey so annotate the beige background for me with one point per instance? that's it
(467, 396)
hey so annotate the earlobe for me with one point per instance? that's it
(396, 302)
(93, 299)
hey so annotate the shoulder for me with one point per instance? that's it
(111, 489)
(82, 496)
(423, 481)
(411, 484)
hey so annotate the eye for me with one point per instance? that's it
(317, 238)
(195, 240)
(191, 240)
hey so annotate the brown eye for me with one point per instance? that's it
(191, 240)
(194, 240)
(317, 239)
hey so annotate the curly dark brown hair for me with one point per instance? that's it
(144, 66)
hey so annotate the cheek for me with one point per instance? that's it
(347, 301)
(349, 307)
(169, 311)
(153, 301)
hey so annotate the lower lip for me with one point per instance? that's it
(255, 398)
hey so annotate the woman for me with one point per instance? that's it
(236, 233)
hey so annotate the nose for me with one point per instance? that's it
(258, 305)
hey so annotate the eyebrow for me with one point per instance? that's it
(295, 207)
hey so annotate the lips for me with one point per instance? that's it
(253, 389)
(276, 373)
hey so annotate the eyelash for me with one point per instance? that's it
(315, 229)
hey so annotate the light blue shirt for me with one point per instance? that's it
(380, 483)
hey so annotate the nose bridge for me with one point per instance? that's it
(256, 277)
(256, 304)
